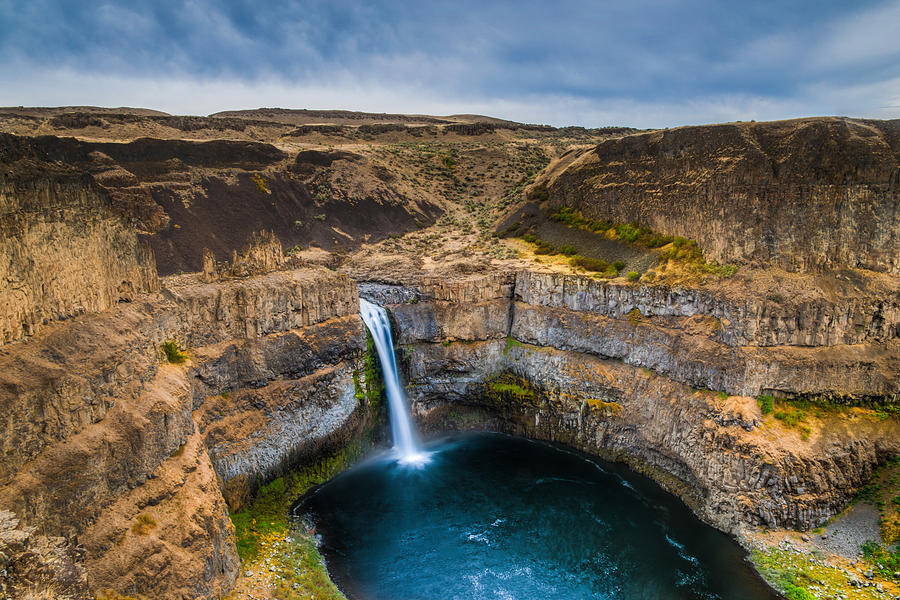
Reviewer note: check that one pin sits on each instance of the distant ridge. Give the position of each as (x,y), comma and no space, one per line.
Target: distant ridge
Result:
(51,111)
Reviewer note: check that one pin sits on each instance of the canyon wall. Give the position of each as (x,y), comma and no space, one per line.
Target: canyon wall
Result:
(66,251)
(807,194)
(187,196)
(668,388)
(131,458)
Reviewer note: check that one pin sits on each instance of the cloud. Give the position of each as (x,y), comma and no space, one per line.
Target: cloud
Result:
(643,63)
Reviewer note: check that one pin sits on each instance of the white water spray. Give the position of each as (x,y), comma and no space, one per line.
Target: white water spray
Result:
(405,442)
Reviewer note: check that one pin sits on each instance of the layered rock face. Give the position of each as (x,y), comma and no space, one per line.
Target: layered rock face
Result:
(567,358)
(807,195)
(133,458)
(185,196)
(66,251)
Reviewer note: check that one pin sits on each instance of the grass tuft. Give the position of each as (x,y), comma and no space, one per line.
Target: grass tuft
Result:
(173,353)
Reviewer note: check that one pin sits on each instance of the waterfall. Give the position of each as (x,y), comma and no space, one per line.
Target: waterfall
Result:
(405,442)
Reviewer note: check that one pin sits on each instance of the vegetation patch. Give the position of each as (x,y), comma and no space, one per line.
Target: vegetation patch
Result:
(804,577)
(301,572)
(791,413)
(508,387)
(680,249)
(793,417)
(885,561)
(143,525)
(635,315)
(601,268)
(511,343)
(883,492)
(374,389)
(261,183)
(267,514)
(281,551)
(766,403)
(173,353)
(604,407)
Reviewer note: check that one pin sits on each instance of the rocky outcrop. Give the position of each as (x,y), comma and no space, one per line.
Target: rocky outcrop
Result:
(37,566)
(131,456)
(170,537)
(269,403)
(807,194)
(66,251)
(745,317)
(717,454)
(634,373)
(263,305)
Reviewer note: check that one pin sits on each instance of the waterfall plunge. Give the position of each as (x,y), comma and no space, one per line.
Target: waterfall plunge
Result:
(405,442)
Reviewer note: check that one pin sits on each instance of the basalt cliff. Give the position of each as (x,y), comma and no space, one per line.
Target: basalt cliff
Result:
(145,415)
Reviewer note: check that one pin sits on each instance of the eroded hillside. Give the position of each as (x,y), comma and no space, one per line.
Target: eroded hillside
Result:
(806,195)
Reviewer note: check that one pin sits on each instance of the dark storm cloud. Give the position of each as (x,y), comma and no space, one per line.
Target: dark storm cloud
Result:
(592,59)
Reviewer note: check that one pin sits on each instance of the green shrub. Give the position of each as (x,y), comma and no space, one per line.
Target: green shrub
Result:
(568,250)
(886,561)
(540,194)
(321,217)
(589,264)
(173,353)
(261,183)
(766,403)
(628,232)
(545,248)
(568,216)
(619,265)
(633,276)
(657,240)
(530,238)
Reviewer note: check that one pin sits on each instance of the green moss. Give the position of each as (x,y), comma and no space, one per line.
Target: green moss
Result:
(172,352)
(302,573)
(291,555)
(357,388)
(510,388)
(604,407)
(267,514)
(374,380)
(507,387)
(511,343)
(802,576)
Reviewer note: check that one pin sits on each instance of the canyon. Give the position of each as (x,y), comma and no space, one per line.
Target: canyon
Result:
(163,363)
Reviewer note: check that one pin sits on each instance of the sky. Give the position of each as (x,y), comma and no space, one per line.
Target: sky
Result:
(641,63)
